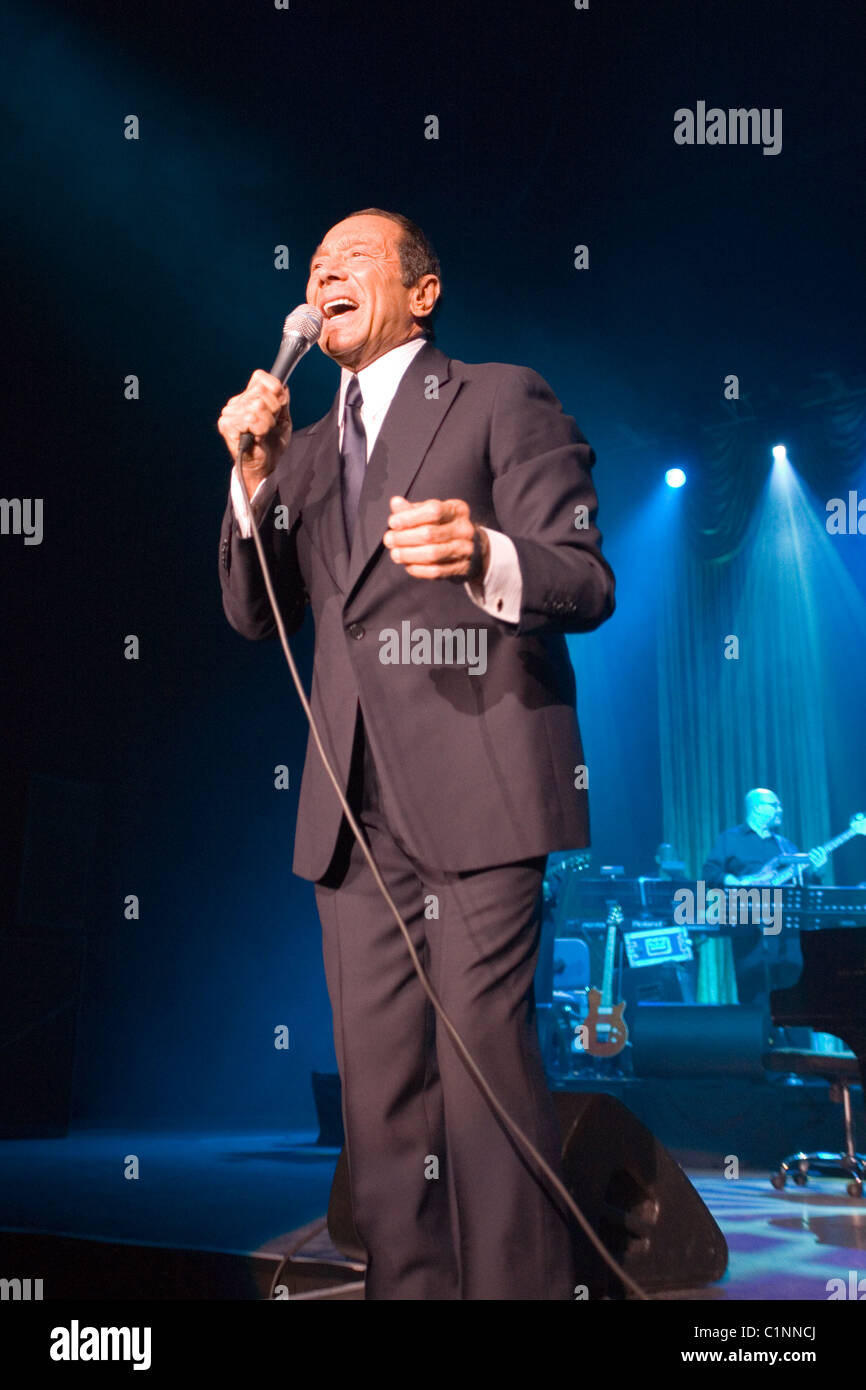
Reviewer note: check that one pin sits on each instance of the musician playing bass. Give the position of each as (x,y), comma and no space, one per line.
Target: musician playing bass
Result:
(740,853)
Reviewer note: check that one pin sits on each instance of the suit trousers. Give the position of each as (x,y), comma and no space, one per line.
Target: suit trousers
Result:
(443,1199)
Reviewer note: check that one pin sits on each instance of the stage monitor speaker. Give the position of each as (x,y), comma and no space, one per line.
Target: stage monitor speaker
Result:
(633,1193)
(636,1198)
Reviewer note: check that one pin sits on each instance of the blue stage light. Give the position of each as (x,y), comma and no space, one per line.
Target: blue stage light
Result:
(675,477)
(780,453)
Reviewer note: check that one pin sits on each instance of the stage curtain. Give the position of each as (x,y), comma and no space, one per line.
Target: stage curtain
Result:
(728,725)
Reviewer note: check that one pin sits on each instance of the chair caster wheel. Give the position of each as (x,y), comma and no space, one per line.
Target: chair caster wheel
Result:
(801,1179)
(855,1189)
(778,1180)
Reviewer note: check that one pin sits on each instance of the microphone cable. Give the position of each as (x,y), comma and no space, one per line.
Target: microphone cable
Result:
(246,442)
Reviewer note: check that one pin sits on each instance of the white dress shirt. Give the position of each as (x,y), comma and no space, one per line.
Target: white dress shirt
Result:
(501,590)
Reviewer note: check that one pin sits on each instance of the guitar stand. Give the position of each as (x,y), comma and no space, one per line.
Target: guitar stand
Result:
(842,1072)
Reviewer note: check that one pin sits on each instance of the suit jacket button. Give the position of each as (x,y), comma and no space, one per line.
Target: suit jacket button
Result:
(356,631)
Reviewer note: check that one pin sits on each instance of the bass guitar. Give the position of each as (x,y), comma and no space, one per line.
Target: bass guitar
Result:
(775,877)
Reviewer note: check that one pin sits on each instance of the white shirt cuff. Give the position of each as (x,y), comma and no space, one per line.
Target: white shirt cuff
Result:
(259,502)
(501,591)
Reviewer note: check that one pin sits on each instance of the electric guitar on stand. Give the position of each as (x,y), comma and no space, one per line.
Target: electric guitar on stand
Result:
(604,1030)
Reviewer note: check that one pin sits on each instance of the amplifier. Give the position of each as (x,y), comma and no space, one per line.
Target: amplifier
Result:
(679,1040)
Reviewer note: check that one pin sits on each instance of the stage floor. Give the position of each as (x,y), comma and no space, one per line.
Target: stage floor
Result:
(249,1194)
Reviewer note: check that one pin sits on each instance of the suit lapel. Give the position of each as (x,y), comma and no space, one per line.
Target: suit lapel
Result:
(321,501)
(404,438)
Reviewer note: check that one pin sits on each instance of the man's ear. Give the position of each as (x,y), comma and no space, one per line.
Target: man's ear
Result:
(423,295)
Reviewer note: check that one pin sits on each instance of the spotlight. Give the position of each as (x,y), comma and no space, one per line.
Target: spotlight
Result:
(675,477)
(780,453)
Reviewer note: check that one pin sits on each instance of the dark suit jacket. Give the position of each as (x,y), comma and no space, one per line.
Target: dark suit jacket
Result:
(474,770)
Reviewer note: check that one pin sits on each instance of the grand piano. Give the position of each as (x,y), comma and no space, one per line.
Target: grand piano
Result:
(830,995)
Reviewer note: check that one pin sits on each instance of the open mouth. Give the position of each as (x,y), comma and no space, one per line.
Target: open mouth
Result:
(337,308)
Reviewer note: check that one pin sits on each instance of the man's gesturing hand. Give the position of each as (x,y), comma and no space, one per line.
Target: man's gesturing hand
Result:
(263,410)
(436,540)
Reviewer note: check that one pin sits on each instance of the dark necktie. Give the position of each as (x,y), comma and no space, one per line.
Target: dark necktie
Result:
(354,456)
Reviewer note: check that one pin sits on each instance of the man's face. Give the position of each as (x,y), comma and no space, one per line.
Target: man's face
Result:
(358,262)
(768,812)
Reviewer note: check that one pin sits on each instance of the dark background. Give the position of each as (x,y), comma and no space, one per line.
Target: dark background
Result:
(261,127)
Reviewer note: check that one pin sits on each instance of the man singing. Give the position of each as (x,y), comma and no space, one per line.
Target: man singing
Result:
(439,511)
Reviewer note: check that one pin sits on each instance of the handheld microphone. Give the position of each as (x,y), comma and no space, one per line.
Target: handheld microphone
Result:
(302,328)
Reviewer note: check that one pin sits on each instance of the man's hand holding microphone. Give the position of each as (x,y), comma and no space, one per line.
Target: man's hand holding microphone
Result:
(262,410)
